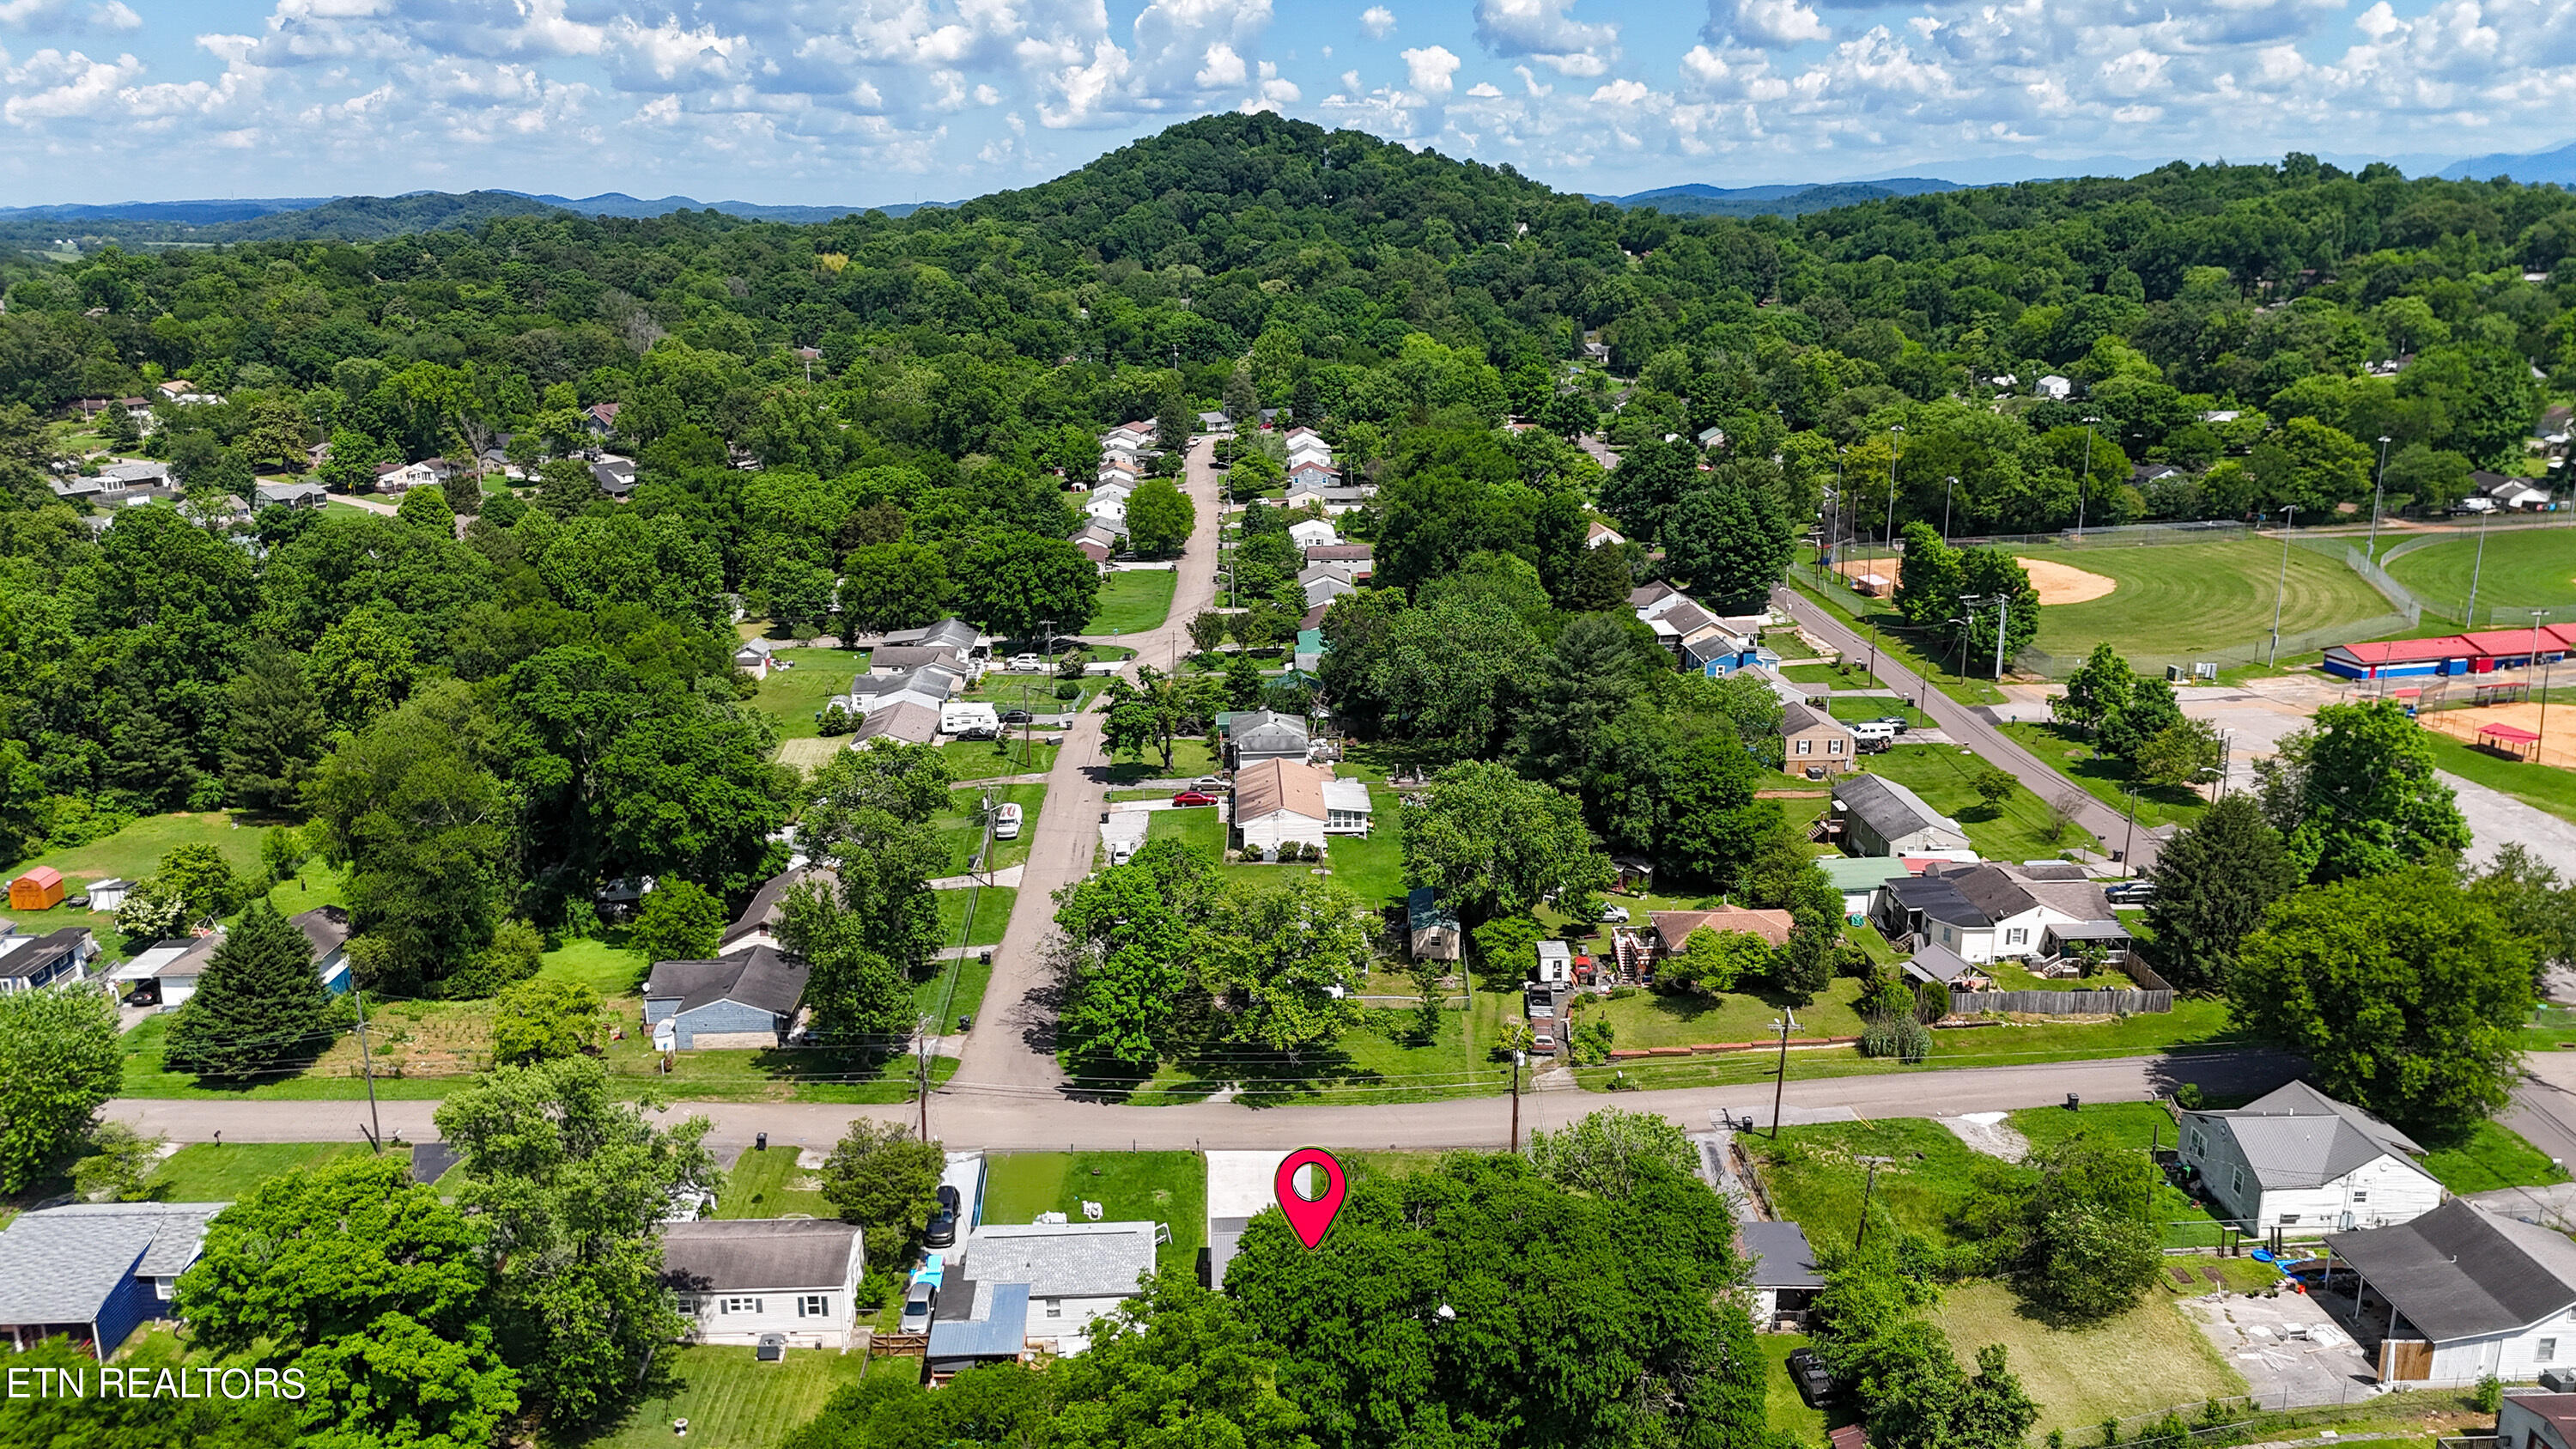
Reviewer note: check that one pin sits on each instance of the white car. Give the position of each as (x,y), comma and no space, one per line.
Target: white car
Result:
(1615,915)
(1006,822)
(1026,664)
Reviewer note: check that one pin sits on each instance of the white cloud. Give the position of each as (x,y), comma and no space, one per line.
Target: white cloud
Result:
(1430,68)
(1223,68)
(57,85)
(1777,22)
(1378,21)
(1543,31)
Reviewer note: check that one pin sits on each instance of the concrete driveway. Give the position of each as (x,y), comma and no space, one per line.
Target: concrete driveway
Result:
(2290,1350)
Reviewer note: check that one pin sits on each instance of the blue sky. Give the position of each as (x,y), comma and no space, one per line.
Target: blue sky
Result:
(876,101)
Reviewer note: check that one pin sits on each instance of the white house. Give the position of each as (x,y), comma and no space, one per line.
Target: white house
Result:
(2536,1419)
(1878,816)
(1077,1273)
(2303,1162)
(1598,533)
(2035,907)
(738,1278)
(1313,533)
(1280,801)
(2053,386)
(2464,1293)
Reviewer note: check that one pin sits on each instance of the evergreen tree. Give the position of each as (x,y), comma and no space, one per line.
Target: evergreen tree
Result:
(2214,882)
(273,734)
(258,1004)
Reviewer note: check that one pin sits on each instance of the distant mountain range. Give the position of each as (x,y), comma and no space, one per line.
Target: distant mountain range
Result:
(2531,167)
(1698,199)
(364,218)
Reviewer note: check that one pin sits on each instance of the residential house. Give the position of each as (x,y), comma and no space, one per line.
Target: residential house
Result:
(738,1278)
(1312,477)
(949,633)
(95,1272)
(1874,815)
(1431,929)
(396,478)
(1858,877)
(2505,492)
(888,660)
(1333,500)
(1077,1273)
(2536,1419)
(2461,1293)
(1721,648)
(1358,559)
(40,889)
(1312,533)
(1917,911)
(58,958)
(758,924)
(1323,583)
(1781,1275)
(1241,1186)
(2056,388)
(1098,542)
(134,473)
(2298,1160)
(748,1000)
(1710,438)
(930,685)
(756,657)
(1214,422)
(2039,908)
(290,495)
(1673,928)
(326,929)
(1812,741)
(1134,435)
(904,722)
(1599,533)
(614,477)
(1255,735)
(1280,801)
(600,419)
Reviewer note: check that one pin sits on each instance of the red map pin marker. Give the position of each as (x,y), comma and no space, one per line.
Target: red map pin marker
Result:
(1309,1218)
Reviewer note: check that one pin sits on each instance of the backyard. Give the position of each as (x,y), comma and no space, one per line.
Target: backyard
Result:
(2147,1359)
(1132,600)
(730,1399)
(792,696)
(768,1183)
(1370,867)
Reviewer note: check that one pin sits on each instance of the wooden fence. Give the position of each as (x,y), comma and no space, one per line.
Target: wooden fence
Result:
(2061,1003)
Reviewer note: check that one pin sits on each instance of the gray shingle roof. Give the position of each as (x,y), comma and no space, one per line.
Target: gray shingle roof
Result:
(724,1254)
(2460,1271)
(326,927)
(759,978)
(1781,1257)
(1065,1260)
(771,898)
(58,1265)
(1887,807)
(947,633)
(1936,962)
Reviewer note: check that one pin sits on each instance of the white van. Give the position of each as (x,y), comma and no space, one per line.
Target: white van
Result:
(1006,823)
(1878,730)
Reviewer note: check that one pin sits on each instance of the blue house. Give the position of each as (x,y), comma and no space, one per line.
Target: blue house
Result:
(327,928)
(30,962)
(747,1000)
(94,1272)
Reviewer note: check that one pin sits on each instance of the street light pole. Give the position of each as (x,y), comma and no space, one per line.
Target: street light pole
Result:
(1892,430)
(2477,569)
(2129,844)
(2085,488)
(2289,516)
(2542,731)
(1517,1059)
(2372,553)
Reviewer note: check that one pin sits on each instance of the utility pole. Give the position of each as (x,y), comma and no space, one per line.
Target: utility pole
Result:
(1785,1023)
(2377,480)
(367,1063)
(1518,1057)
(2003,621)
(2129,846)
(2289,517)
(1948,487)
(2085,488)
(2476,569)
(1893,429)
(1867,1189)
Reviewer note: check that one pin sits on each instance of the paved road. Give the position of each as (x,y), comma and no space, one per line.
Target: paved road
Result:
(1036,1116)
(2497,819)
(1971,728)
(1012,1047)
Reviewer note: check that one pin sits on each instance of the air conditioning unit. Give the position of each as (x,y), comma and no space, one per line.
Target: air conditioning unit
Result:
(2558,1380)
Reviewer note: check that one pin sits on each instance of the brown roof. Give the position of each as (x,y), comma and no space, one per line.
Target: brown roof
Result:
(1675,927)
(1275,785)
(1340,553)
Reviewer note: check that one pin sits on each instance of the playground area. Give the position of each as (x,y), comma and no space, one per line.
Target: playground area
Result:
(2514,730)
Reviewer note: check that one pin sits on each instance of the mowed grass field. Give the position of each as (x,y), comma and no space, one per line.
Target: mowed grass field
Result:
(2527,568)
(1133,599)
(2179,598)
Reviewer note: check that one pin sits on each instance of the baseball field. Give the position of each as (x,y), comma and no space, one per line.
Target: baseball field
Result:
(2181,598)
(2526,568)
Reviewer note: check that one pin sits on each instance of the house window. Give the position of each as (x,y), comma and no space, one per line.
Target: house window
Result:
(814,1305)
(1833,747)
(739,1305)
(161,1289)
(2289,1219)
(2199,1143)
(2361,1197)
(2546,1352)
(2018,935)
(2236,1181)
(1806,747)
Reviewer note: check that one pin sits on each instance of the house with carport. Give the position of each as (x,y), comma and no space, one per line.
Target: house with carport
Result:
(2457,1294)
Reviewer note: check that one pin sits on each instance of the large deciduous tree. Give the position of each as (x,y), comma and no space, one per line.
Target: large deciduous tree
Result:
(59,1062)
(1492,843)
(1160,517)
(1014,583)
(2406,994)
(1728,539)
(2356,794)
(880,1177)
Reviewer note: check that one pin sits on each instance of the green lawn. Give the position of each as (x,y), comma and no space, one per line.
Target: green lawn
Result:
(1941,775)
(1650,1019)
(2104,779)
(980,760)
(604,966)
(956,989)
(2543,787)
(964,832)
(2186,598)
(1377,1061)
(2525,568)
(2147,1359)
(1191,758)
(2138,1125)
(992,913)
(1132,600)
(731,1400)
(1789,1413)
(769,1184)
(225,1172)
(1895,640)
(1815,1177)
(1833,676)
(1162,1187)
(792,696)
(136,851)
(2491,1156)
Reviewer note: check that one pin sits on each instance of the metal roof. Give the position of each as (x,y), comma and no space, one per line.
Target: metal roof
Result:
(999,1329)
(2300,1137)
(1781,1257)
(2460,1271)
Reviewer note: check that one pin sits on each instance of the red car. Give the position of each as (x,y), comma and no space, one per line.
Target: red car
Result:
(1193,797)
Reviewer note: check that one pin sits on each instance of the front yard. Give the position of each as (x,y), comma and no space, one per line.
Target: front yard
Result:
(1162,1187)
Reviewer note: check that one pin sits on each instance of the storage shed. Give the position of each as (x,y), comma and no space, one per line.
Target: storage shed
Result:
(40,889)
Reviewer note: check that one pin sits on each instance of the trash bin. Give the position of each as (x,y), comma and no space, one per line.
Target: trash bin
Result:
(760,1143)
(2073,1101)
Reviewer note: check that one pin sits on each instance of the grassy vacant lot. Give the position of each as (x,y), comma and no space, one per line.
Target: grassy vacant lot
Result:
(1378,1061)
(1650,1019)
(770,1185)
(964,832)
(1815,1176)
(2542,787)
(2066,752)
(733,1401)
(1872,706)
(992,913)
(1846,675)
(1132,600)
(1191,758)
(2525,568)
(979,760)
(2147,1359)
(2183,598)
(792,695)
(1162,1187)
(955,990)
(2490,1156)
(1941,775)
(2137,1125)
(224,1172)
(134,853)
